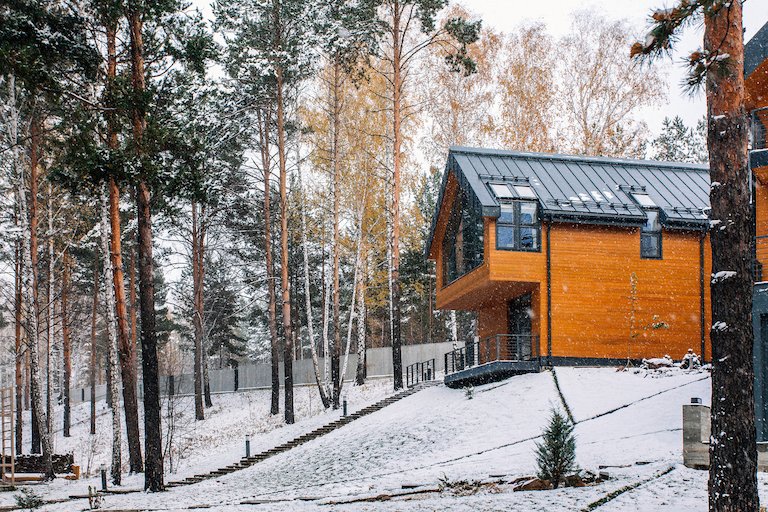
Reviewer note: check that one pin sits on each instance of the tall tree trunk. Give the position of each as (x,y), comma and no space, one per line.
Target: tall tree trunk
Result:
(356,265)
(308,295)
(733,451)
(454,325)
(40,421)
(336,377)
(19,376)
(127,352)
(206,381)
(360,373)
(49,314)
(397,86)
(94,319)
(66,343)
(264,128)
(112,343)
(21,224)
(132,313)
(284,277)
(153,470)
(197,317)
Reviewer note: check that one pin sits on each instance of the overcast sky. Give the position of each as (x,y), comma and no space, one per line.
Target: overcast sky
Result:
(505,15)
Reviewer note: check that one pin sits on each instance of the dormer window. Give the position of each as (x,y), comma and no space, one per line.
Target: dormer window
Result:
(650,233)
(518,227)
(650,236)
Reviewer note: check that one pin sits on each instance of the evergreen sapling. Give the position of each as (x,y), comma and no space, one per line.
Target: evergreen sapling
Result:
(556,453)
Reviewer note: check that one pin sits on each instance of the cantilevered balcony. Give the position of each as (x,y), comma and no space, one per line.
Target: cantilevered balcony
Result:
(492,359)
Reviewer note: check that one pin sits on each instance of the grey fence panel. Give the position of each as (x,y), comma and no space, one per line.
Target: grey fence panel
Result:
(259,375)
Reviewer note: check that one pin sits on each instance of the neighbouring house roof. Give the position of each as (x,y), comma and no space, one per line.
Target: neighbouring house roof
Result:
(756,50)
(580,189)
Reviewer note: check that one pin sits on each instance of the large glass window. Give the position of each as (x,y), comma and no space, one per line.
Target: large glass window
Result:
(650,235)
(463,241)
(518,227)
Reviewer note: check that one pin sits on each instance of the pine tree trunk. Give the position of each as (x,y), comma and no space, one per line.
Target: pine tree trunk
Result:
(128,370)
(94,318)
(336,377)
(264,127)
(397,84)
(153,470)
(40,421)
(132,313)
(197,318)
(733,451)
(112,343)
(285,282)
(66,344)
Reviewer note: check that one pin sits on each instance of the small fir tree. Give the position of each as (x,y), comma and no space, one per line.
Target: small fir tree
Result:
(556,454)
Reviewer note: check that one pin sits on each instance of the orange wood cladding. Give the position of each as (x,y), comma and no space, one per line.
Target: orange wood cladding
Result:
(590,272)
(756,87)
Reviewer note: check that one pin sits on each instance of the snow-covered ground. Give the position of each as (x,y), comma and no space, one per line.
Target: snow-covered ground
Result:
(624,418)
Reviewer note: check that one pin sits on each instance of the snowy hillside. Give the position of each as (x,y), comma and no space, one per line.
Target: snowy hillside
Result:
(622,419)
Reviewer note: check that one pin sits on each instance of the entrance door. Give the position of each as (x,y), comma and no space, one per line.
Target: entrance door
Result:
(520,327)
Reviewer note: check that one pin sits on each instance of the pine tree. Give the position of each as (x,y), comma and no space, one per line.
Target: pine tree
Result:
(679,143)
(720,67)
(556,453)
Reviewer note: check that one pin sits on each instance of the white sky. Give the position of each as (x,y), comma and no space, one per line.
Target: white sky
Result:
(505,15)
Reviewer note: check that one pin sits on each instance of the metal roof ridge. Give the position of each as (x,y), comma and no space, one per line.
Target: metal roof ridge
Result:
(579,158)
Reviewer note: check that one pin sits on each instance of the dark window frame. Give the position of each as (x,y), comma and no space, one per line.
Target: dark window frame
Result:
(463,247)
(646,233)
(518,226)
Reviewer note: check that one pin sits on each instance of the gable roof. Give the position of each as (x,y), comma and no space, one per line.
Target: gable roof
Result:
(756,50)
(580,189)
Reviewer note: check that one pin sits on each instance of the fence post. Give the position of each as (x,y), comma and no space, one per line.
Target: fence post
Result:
(237,378)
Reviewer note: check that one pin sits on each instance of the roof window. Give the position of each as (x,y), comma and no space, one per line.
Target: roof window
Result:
(644,200)
(501,190)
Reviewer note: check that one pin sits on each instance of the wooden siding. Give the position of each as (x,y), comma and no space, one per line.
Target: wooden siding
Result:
(761,223)
(756,87)
(591,267)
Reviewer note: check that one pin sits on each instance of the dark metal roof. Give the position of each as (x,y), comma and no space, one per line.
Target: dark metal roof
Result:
(756,50)
(579,189)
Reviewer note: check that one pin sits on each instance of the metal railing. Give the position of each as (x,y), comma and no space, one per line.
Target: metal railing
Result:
(501,347)
(419,372)
(759,131)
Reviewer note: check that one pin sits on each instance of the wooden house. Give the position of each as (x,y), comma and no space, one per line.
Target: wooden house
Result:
(572,260)
(756,92)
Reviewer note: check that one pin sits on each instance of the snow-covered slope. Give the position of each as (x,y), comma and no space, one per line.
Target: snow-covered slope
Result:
(439,433)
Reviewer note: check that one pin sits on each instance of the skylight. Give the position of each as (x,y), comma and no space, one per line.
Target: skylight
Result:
(644,200)
(525,192)
(501,190)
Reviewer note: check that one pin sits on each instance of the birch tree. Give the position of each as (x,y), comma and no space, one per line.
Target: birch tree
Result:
(112,343)
(409,28)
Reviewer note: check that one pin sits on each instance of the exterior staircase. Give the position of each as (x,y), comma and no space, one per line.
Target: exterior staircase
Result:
(246,462)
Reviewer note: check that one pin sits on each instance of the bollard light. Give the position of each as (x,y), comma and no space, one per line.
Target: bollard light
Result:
(103,477)
(344,406)
(247,445)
